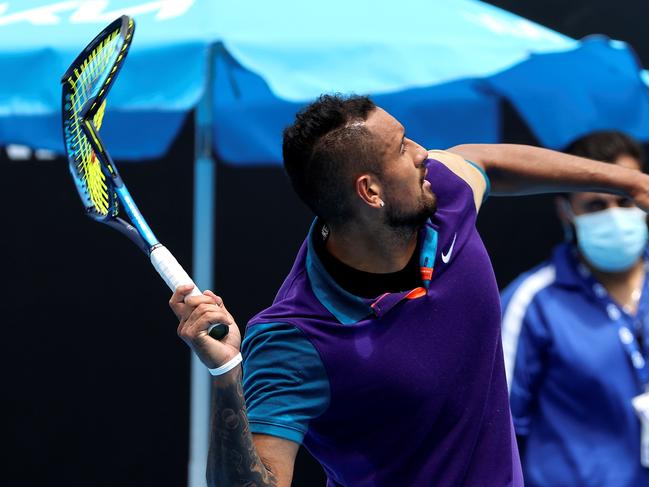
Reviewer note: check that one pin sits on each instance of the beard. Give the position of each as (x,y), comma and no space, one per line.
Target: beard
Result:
(407,219)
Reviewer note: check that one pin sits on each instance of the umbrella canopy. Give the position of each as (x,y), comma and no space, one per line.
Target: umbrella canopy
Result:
(441,67)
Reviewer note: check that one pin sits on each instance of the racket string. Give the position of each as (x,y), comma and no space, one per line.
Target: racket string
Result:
(82,89)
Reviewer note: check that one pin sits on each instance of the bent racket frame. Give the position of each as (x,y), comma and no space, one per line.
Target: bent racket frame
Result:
(86,84)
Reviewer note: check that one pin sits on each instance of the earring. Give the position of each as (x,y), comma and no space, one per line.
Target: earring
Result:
(381,203)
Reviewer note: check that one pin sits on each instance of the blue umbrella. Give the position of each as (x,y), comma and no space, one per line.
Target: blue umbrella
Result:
(442,68)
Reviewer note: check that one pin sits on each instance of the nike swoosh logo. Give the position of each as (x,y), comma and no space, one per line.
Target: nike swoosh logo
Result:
(446,257)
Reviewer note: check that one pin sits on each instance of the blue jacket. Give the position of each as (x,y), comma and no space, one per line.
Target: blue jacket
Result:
(571,381)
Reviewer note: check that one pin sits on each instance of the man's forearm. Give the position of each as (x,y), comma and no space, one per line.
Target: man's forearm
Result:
(523,169)
(233,459)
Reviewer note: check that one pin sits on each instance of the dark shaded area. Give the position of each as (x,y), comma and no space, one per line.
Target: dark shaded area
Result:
(622,20)
(95,381)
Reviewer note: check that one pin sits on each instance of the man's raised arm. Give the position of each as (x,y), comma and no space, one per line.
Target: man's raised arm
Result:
(236,457)
(523,169)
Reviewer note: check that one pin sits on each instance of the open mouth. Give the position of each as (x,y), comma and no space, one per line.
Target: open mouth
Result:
(423,179)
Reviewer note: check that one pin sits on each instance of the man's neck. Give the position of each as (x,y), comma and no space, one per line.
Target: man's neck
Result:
(624,286)
(377,250)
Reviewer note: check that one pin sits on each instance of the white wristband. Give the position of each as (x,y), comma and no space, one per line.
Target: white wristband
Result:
(228,366)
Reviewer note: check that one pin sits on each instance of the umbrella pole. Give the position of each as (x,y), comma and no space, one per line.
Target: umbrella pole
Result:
(203,271)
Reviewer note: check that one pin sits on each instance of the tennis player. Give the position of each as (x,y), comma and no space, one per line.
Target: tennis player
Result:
(381,353)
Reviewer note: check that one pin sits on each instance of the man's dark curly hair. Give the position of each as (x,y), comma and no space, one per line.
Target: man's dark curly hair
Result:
(607,146)
(325,148)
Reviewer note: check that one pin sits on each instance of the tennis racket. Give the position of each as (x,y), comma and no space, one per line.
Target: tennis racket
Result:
(85,86)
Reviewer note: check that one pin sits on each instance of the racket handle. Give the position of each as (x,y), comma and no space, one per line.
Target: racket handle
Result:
(174,275)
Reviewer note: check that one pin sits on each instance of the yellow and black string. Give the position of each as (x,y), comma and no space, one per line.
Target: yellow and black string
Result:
(82,85)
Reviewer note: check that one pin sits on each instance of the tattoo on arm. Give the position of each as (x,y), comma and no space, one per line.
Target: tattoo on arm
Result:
(233,459)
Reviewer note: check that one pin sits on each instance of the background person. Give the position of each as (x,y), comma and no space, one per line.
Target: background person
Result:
(574,335)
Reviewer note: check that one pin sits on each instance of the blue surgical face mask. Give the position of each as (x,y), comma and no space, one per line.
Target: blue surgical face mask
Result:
(612,240)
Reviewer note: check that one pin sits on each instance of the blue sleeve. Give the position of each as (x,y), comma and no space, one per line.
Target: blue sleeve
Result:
(284,381)
(487,190)
(526,340)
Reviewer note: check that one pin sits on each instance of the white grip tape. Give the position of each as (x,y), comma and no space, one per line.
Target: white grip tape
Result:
(173,273)
(170,270)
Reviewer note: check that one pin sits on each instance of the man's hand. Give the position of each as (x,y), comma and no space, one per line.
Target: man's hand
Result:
(640,194)
(196,314)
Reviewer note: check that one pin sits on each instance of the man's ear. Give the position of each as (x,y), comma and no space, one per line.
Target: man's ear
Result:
(563,209)
(369,190)
(566,215)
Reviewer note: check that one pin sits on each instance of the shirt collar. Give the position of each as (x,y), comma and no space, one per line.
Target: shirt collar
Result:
(348,308)
(570,271)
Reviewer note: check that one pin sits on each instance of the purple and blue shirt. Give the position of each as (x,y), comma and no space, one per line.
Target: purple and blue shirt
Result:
(406,388)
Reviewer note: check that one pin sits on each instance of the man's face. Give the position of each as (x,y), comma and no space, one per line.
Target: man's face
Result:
(409,199)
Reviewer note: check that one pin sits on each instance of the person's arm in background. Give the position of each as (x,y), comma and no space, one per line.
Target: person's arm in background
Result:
(237,457)
(523,169)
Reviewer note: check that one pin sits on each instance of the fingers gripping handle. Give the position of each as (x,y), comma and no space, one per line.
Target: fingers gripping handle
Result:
(174,275)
